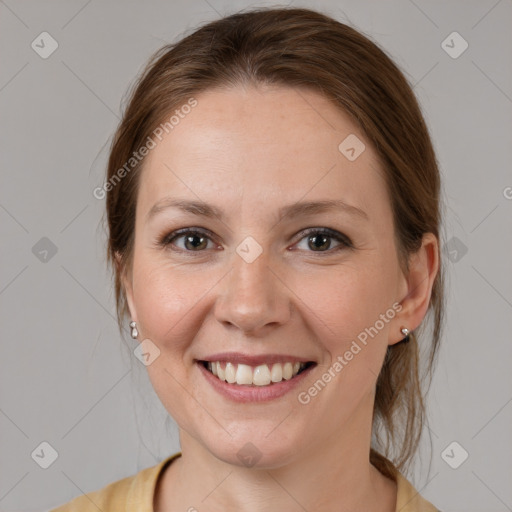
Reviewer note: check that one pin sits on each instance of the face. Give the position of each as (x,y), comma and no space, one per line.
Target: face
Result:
(257,278)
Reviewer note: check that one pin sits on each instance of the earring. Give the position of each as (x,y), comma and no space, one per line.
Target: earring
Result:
(406,333)
(135,332)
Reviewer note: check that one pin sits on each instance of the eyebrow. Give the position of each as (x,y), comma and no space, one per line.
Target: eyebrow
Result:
(203,209)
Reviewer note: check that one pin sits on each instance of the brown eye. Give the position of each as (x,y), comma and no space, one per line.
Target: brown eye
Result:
(320,240)
(193,241)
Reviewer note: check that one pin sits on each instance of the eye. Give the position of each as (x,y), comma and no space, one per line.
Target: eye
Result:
(193,240)
(319,240)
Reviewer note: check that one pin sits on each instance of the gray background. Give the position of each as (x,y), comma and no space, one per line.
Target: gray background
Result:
(65,375)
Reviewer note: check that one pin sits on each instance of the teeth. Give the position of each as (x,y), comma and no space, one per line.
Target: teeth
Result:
(277,373)
(243,374)
(230,373)
(262,375)
(220,372)
(287,371)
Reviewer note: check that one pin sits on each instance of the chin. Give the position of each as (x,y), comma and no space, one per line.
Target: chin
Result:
(255,451)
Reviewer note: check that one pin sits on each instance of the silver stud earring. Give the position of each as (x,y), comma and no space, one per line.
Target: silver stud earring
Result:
(135,332)
(406,333)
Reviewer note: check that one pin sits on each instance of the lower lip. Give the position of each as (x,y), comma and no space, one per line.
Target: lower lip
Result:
(245,393)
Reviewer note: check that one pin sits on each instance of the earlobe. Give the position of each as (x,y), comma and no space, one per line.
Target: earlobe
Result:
(423,268)
(126,282)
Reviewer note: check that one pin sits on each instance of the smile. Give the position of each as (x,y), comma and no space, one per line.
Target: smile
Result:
(261,375)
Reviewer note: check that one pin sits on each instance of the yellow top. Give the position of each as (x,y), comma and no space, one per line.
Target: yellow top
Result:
(135,494)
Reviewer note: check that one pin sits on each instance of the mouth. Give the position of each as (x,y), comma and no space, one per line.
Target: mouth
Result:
(262,375)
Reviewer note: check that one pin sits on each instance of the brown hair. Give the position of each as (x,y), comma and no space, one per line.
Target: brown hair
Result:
(303,48)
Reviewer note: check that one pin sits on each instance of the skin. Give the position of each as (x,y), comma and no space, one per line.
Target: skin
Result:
(249,151)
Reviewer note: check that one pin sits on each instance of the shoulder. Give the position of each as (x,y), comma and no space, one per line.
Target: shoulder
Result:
(409,499)
(133,493)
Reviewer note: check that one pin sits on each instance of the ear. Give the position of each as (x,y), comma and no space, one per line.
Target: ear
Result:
(417,286)
(126,279)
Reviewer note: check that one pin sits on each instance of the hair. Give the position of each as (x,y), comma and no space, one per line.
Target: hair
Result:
(303,48)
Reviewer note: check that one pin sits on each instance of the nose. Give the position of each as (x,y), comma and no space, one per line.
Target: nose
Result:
(252,297)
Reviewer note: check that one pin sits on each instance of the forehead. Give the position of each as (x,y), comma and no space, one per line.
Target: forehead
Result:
(268,143)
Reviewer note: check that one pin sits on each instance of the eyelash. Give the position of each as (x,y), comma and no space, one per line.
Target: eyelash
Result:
(167,240)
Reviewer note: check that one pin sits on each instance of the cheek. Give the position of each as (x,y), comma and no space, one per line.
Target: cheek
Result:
(164,301)
(345,307)
(345,301)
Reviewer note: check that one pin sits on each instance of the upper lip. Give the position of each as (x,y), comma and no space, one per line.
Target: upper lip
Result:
(254,360)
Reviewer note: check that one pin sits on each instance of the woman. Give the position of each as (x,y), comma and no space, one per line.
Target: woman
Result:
(274,215)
